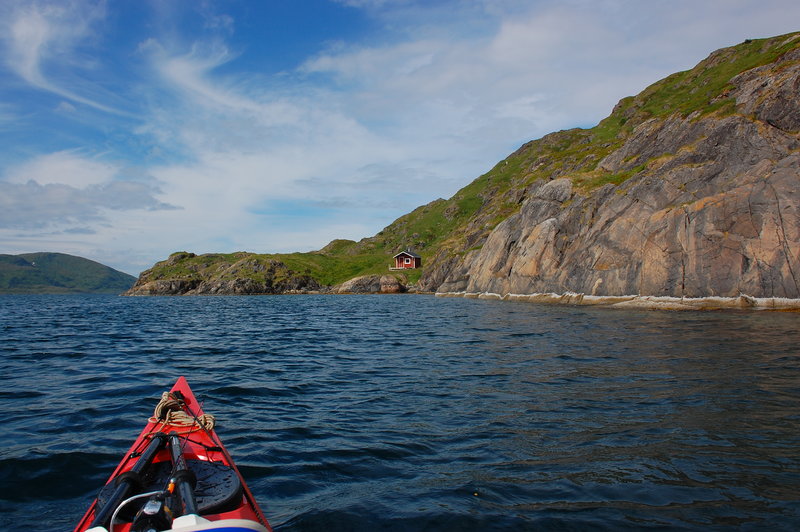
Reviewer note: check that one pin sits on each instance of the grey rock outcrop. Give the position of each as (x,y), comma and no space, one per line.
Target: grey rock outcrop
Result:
(371,284)
(712,209)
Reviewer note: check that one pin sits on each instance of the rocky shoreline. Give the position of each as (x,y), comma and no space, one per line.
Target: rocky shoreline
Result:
(389,284)
(365,284)
(742,302)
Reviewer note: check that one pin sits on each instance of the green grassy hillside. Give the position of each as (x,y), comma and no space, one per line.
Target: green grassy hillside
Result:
(58,273)
(449,227)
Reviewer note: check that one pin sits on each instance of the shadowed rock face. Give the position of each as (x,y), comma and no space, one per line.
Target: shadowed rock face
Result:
(714,212)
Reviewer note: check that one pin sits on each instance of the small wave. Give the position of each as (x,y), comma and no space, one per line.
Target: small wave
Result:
(52,475)
(21,394)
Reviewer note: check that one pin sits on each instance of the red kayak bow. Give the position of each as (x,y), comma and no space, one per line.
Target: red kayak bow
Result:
(176,476)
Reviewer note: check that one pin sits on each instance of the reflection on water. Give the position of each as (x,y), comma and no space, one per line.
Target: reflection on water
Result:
(353,413)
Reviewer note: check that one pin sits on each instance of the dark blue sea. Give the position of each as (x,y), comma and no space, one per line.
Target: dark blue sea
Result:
(361,413)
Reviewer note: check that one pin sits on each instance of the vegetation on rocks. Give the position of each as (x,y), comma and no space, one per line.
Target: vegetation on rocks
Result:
(621,152)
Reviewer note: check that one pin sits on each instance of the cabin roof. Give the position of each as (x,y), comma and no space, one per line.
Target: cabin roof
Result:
(409,253)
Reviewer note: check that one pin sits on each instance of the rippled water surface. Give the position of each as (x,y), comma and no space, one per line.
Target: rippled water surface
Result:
(415,412)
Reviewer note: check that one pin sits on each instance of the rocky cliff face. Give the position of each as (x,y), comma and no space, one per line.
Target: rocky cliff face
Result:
(709,206)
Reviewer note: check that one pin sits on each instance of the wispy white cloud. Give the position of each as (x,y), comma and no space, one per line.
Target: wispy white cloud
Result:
(42,34)
(32,206)
(65,168)
(61,190)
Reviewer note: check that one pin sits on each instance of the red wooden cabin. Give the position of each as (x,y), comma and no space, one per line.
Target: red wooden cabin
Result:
(407,260)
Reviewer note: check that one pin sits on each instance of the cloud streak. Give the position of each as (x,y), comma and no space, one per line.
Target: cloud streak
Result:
(38,35)
(64,189)
(32,206)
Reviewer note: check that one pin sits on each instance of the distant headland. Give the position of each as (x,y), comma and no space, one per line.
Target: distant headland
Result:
(59,273)
(691,189)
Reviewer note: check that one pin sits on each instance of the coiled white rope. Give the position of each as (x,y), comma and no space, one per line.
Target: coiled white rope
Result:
(169,411)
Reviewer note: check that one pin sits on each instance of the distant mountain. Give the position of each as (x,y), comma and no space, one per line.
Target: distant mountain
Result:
(58,273)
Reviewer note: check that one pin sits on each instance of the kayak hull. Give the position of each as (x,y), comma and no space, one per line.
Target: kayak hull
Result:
(178,433)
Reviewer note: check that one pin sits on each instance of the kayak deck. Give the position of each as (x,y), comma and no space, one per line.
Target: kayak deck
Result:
(177,475)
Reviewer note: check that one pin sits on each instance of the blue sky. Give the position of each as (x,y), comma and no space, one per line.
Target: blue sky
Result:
(130,129)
